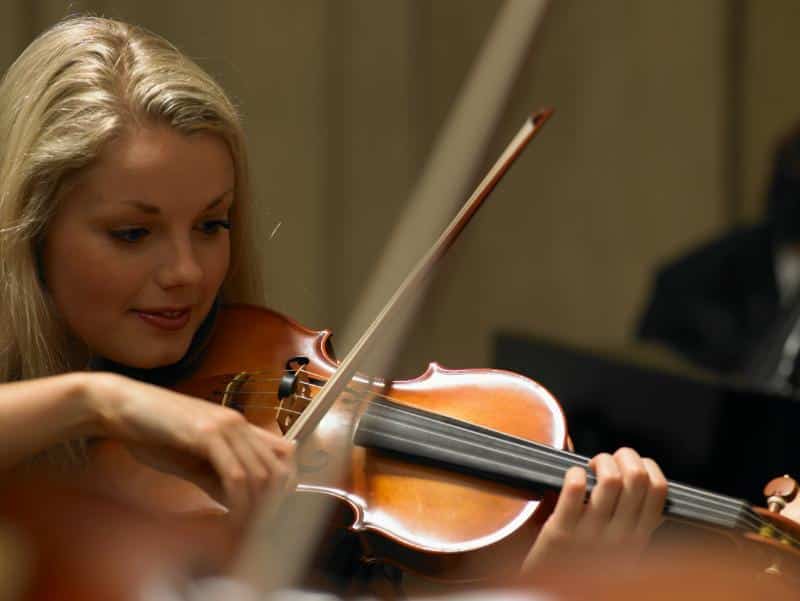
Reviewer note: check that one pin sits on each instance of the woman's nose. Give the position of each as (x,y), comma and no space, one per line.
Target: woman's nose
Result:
(180,266)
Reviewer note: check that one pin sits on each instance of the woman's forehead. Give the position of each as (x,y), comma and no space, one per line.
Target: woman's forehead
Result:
(160,168)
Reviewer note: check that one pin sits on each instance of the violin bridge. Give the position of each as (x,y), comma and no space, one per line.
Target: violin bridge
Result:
(294,394)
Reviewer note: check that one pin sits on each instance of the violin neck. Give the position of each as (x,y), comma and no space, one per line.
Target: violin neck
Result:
(488,453)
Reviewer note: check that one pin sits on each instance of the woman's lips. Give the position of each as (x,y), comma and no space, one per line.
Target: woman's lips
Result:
(166,320)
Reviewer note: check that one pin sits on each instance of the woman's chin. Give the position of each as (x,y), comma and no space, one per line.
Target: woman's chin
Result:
(150,360)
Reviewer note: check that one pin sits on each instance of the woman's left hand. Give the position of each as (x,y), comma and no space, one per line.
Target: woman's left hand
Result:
(623,509)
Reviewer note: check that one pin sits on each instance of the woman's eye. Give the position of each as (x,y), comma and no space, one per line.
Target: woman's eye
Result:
(132,234)
(214,225)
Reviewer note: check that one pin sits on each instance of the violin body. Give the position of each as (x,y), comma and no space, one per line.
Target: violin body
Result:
(423,516)
(429,519)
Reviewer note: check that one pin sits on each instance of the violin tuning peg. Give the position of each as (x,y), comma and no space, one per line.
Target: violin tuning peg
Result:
(779,492)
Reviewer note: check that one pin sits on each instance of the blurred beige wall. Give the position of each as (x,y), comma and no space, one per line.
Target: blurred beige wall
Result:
(627,173)
(769,90)
(343,98)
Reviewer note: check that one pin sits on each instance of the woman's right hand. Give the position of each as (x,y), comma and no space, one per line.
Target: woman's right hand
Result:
(212,446)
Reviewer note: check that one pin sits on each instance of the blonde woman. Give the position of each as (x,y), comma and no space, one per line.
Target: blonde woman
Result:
(123,194)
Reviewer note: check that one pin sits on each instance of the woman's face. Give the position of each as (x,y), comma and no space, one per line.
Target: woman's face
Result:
(139,246)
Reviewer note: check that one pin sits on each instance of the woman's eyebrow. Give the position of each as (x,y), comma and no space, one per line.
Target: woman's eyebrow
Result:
(218,200)
(154,210)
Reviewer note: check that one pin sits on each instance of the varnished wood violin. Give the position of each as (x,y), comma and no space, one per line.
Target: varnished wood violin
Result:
(447,473)
(443,473)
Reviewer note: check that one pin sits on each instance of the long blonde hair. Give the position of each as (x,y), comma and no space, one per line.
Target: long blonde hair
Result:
(77,86)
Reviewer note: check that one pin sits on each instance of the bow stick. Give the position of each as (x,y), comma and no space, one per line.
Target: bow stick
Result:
(275,554)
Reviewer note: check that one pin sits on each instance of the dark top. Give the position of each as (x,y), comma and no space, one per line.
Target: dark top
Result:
(715,304)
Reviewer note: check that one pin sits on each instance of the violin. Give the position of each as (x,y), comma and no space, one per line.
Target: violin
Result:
(450,474)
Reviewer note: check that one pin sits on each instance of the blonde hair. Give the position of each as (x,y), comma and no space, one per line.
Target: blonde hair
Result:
(78,85)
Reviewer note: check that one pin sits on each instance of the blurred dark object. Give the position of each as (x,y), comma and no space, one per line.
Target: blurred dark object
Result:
(714,305)
(710,433)
(727,305)
(783,196)
(773,363)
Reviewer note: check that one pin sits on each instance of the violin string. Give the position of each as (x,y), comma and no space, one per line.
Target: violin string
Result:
(696,498)
(557,454)
(725,507)
(575,459)
(249,393)
(749,519)
(580,460)
(302,370)
(278,409)
(754,519)
(699,500)
(260,372)
(562,459)
(557,466)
